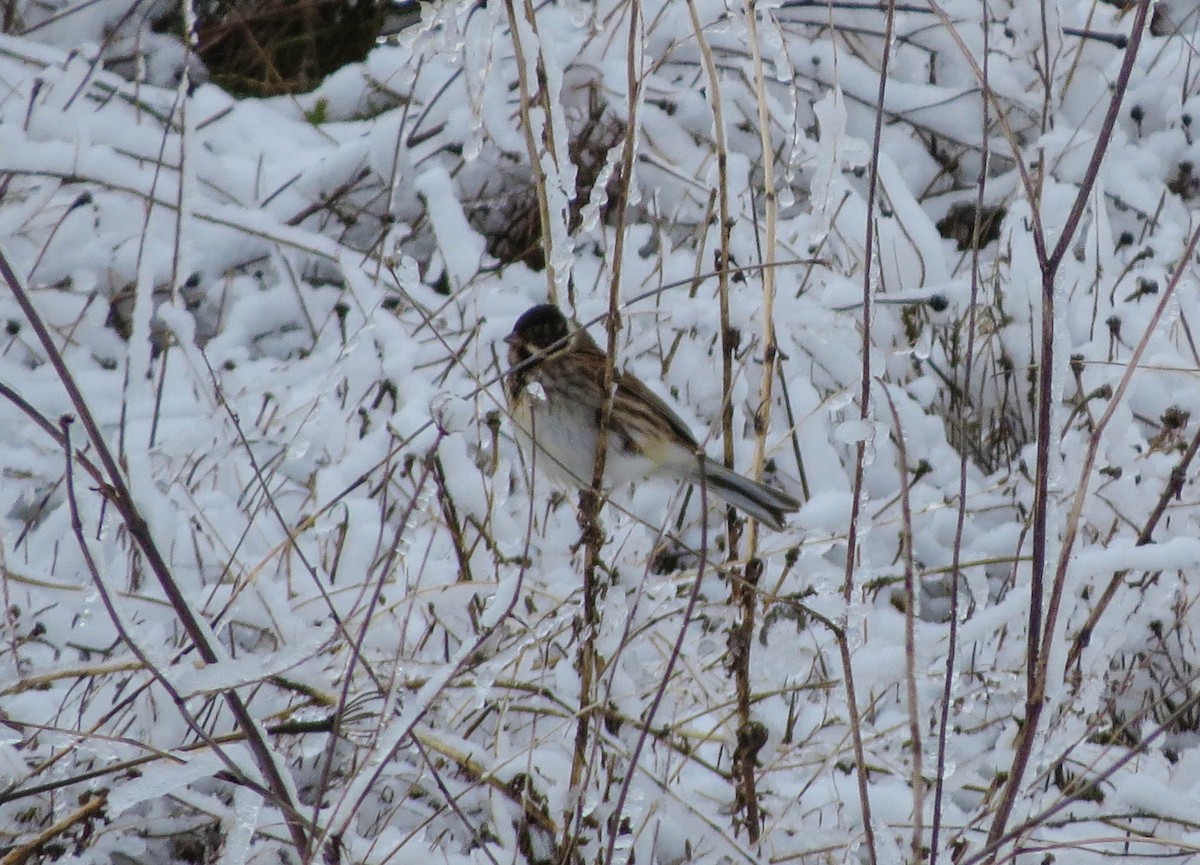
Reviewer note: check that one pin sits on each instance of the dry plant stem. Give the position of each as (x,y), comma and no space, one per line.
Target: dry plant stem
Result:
(591,499)
(453,523)
(607,709)
(118,493)
(743,592)
(647,722)
(301,241)
(1171,491)
(1088,769)
(762,414)
(968,56)
(728,337)
(1089,460)
(843,643)
(269,497)
(115,769)
(121,707)
(989,851)
(49,428)
(743,596)
(144,297)
(963,460)
(1102,139)
(448,797)
(89,810)
(382,759)
(327,760)
(910,641)
(182,100)
(106,599)
(535,160)
(80,201)
(861,448)
(1041,635)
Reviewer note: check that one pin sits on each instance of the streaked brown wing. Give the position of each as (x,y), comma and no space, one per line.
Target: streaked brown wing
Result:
(642,402)
(647,409)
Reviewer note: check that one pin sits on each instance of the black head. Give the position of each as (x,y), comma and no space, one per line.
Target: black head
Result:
(540,327)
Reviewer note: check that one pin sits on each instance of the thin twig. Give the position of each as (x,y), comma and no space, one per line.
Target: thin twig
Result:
(139,530)
(651,713)
(865,412)
(1041,635)
(915,733)
(92,808)
(960,517)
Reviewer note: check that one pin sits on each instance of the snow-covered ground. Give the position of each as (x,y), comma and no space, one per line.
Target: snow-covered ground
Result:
(306,512)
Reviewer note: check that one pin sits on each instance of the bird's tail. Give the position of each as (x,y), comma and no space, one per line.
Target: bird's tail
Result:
(766,504)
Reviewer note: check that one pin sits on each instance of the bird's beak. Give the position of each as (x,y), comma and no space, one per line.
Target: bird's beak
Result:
(511,339)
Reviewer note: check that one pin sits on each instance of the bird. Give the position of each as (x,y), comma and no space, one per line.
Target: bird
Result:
(555,392)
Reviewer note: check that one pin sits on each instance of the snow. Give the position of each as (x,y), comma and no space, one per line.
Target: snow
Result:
(286,317)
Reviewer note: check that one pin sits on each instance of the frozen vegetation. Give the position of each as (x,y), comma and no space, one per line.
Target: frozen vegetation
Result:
(279,586)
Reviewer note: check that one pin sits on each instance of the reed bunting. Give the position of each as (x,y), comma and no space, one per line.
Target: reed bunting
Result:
(555,393)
